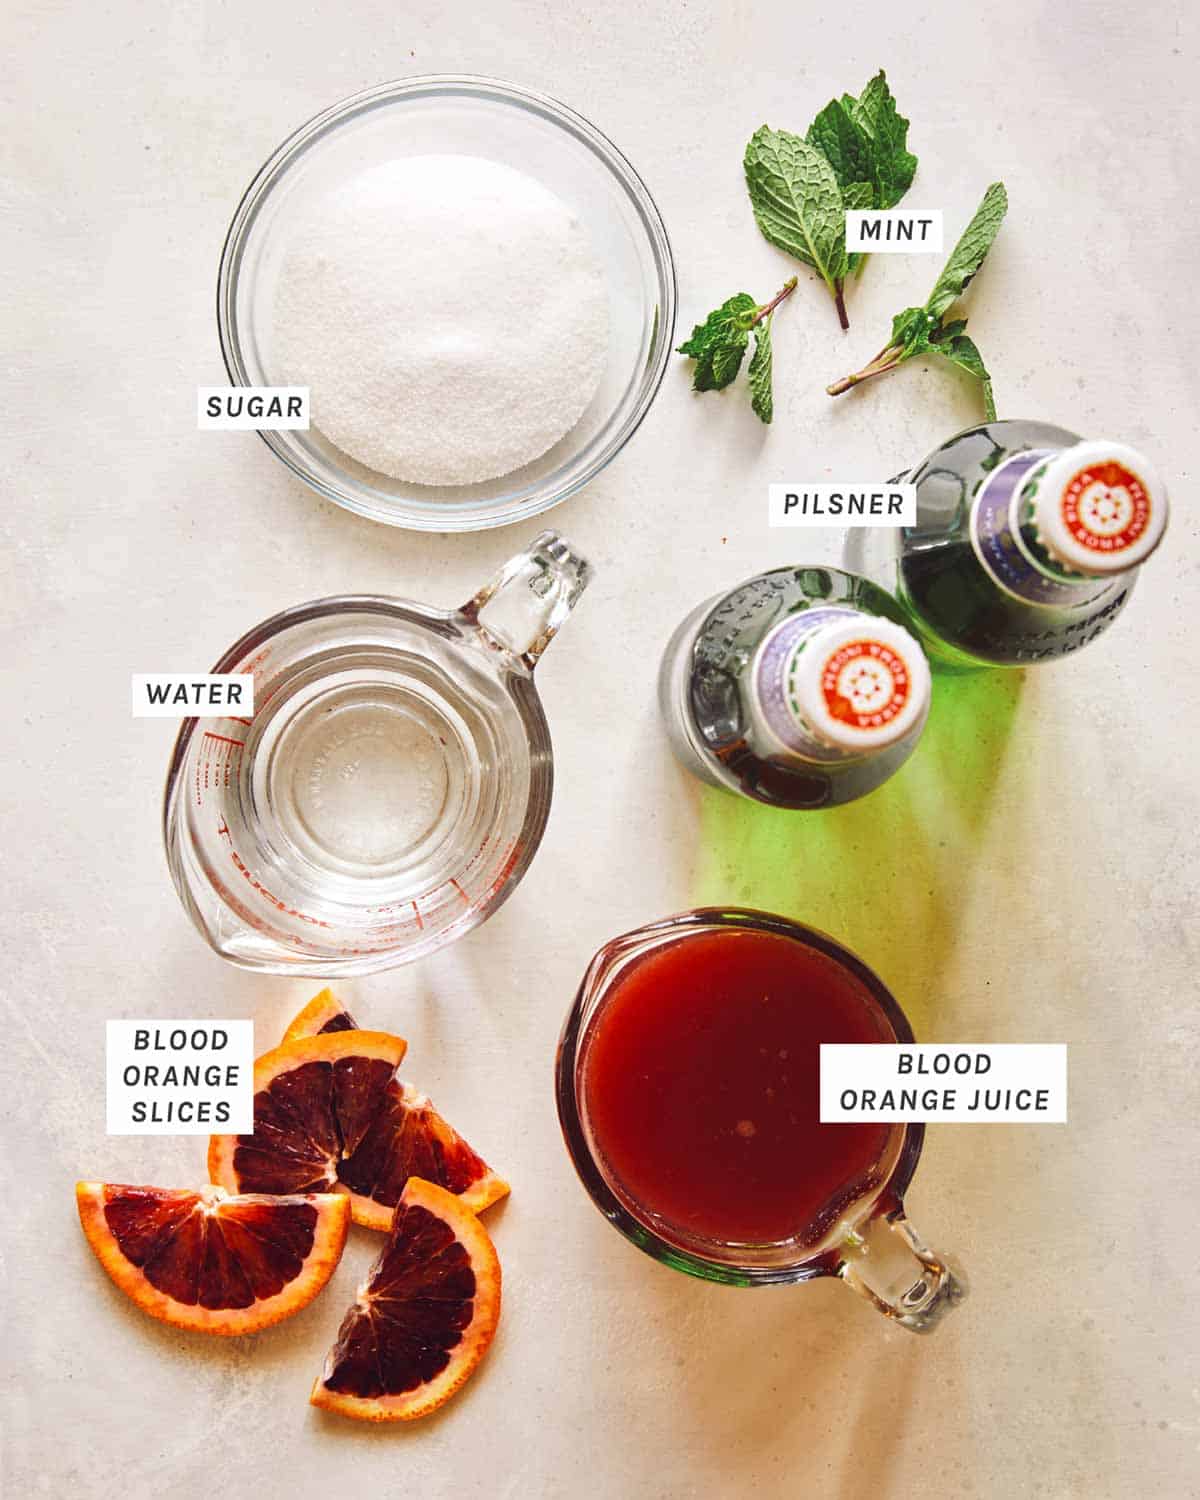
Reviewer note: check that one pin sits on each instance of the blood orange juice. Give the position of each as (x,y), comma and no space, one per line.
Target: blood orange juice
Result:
(698,1090)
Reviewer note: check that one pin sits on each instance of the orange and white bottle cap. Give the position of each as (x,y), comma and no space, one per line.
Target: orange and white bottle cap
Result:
(853,684)
(1099,508)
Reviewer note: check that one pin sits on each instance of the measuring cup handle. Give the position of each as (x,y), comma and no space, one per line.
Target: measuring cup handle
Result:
(887,1263)
(524,605)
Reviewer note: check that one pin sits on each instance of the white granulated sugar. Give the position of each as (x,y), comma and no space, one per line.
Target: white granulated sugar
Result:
(449,315)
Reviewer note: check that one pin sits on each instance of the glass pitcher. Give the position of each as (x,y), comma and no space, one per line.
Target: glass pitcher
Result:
(644,1114)
(393,783)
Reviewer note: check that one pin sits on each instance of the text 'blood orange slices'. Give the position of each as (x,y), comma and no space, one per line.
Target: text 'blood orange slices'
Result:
(407,1138)
(423,1320)
(210,1262)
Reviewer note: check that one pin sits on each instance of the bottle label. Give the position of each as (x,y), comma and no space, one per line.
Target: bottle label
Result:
(996,540)
(771,682)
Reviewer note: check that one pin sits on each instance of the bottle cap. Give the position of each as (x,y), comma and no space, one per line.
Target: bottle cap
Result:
(1099,508)
(858,685)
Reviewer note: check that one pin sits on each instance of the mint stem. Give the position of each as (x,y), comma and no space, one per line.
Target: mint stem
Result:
(839,302)
(768,308)
(886,359)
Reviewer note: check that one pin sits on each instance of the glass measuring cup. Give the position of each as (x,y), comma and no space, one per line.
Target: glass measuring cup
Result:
(393,783)
(676,1067)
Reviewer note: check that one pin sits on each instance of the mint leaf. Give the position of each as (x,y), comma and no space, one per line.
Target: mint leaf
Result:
(845,145)
(923,330)
(797,204)
(721,367)
(910,327)
(893,166)
(762,397)
(719,344)
(727,320)
(865,142)
(950,330)
(857,195)
(961,350)
(968,255)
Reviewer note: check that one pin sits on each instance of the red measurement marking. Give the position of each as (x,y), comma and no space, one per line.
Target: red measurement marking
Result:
(505,871)
(256,884)
(224,738)
(223,831)
(461,892)
(478,855)
(235,720)
(417,914)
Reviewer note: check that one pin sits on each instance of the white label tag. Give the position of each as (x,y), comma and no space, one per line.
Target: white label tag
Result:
(195,695)
(252,408)
(1001,1083)
(180,1077)
(894,231)
(842,505)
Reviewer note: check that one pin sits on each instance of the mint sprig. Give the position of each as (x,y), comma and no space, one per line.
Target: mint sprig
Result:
(854,155)
(719,344)
(924,330)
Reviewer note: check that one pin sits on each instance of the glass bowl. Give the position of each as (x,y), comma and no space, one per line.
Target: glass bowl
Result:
(524,130)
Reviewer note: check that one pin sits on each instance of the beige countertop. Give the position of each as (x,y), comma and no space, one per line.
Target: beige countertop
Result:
(1030,876)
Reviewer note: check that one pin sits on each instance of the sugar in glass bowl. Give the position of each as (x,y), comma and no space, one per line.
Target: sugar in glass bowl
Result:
(473,117)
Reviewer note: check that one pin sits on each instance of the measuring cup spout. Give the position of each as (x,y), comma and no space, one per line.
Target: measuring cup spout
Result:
(522,608)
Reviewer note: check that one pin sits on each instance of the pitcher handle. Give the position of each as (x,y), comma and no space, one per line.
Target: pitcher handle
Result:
(886,1261)
(522,608)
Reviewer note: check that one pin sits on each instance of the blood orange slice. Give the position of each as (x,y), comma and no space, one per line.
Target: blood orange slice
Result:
(314,1101)
(424,1318)
(324,1012)
(408,1138)
(203,1260)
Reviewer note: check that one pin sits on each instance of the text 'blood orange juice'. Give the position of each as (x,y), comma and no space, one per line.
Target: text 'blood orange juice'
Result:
(699,1085)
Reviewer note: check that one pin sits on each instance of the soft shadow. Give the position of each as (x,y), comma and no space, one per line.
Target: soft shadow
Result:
(769,1368)
(270,1348)
(884,874)
(887,1391)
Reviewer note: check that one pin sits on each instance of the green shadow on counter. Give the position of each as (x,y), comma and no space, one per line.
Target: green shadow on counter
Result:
(886,874)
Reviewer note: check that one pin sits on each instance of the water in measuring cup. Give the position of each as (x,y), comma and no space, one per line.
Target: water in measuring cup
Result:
(360,782)
(361,778)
